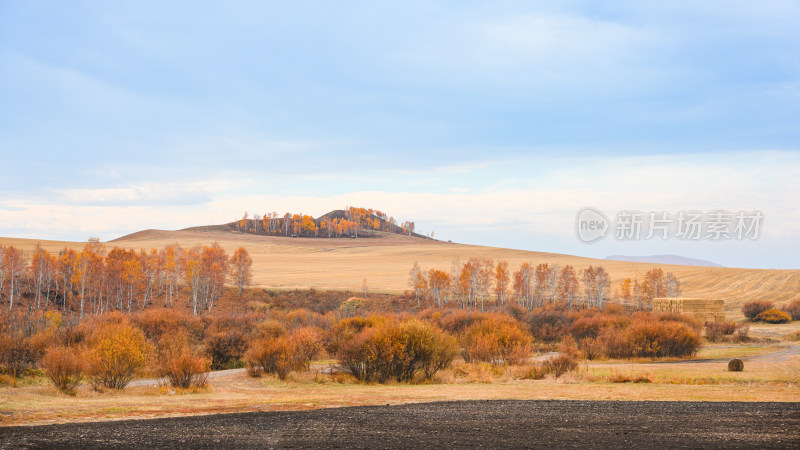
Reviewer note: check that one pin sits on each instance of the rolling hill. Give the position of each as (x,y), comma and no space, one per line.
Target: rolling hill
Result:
(665,259)
(286,263)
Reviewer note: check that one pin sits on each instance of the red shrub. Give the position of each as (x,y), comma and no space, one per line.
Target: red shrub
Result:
(17,353)
(716,330)
(548,325)
(594,325)
(752,309)
(793,309)
(225,348)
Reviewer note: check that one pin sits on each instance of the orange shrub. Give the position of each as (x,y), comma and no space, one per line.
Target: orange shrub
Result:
(307,343)
(398,350)
(65,367)
(117,352)
(773,315)
(179,363)
(345,329)
(752,309)
(496,339)
(304,318)
(649,338)
(270,328)
(275,356)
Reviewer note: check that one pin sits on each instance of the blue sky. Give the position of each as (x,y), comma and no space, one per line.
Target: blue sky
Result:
(489,123)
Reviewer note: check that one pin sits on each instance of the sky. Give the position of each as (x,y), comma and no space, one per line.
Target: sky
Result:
(486,122)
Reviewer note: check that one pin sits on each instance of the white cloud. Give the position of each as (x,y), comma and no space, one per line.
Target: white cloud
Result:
(542,205)
(153,193)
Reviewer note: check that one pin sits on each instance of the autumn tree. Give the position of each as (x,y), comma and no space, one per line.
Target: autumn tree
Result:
(568,285)
(595,284)
(673,286)
(438,284)
(654,285)
(241,268)
(66,267)
(501,281)
(42,275)
(523,285)
(417,282)
(13,266)
(172,270)
(625,290)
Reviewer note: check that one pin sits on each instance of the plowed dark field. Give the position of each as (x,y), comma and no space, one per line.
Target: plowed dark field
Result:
(489,424)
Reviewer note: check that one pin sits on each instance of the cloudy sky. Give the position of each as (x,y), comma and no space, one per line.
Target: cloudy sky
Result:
(486,123)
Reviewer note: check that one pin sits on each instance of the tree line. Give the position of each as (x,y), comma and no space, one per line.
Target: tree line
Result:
(353,221)
(480,282)
(96,280)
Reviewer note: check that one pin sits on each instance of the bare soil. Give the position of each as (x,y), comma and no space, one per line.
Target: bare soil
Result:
(492,424)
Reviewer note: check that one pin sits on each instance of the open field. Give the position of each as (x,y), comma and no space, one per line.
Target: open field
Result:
(489,424)
(284,263)
(772,373)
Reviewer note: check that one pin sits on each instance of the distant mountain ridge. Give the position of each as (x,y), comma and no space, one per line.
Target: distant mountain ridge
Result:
(665,259)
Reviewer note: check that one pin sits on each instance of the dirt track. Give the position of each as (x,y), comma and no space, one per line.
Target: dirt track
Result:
(448,424)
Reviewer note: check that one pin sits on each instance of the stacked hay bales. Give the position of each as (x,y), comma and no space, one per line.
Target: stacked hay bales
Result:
(702,309)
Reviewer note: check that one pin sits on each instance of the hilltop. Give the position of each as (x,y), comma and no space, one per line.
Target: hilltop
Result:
(351,222)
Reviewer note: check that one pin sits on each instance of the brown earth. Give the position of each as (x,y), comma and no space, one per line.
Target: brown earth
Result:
(287,263)
(491,424)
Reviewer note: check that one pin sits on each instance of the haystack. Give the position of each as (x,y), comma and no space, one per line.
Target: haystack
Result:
(702,309)
(735,365)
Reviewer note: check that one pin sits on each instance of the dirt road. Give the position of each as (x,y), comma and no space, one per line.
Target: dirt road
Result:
(489,424)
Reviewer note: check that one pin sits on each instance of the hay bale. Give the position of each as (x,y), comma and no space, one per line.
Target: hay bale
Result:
(735,365)
(702,309)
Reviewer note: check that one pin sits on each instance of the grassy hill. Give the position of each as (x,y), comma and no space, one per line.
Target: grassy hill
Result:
(285,263)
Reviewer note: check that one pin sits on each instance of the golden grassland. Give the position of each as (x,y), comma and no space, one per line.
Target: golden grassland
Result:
(771,374)
(287,263)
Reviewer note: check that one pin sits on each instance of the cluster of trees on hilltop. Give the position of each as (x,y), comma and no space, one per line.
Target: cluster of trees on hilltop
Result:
(480,281)
(349,222)
(96,280)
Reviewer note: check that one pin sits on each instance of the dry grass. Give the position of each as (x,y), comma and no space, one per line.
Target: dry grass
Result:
(762,380)
(723,351)
(287,263)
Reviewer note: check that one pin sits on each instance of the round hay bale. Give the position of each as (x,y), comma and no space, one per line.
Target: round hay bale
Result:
(735,365)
